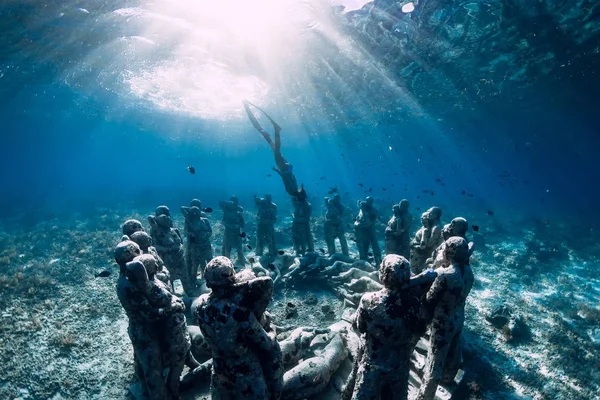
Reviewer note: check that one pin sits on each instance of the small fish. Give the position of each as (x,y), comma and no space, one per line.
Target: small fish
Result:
(269,175)
(191,169)
(251,259)
(490,212)
(208,210)
(463,192)
(243,234)
(438,180)
(470,194)
(249,247)
(370,189)
(432,192)
(418,197)
(271,266)
(321,178)
(475,228)
(322,250)
(332,190)
(281,252)
(384,189)
(418,208)
(103,274)
(361,185)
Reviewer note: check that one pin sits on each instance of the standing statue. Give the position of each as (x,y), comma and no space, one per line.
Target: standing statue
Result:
(397,233)
(333,226)
(265,230)
(301,235)
(170,311)
(143,326)
(233,221)
(247,362)
(198,250)
(427,239)
(447,297)
(390,322)
(169,245)
(364,228)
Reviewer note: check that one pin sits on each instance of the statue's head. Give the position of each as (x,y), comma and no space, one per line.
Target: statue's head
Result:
(394,271)
(369,200)
(456,250)
(143,239)
(404,205)
(268,197)
(459,227)
(162,210)
(126,251)
(131,226)
(219,273)
(196,203)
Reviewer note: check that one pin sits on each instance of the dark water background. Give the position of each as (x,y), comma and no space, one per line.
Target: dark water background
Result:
(532,150)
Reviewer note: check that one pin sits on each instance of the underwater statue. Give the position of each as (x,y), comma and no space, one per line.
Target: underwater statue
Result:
(233,221)
(169,245)
(265,230)
(144,240)
(333,226)
(427,239)
(312,375)
(197,249)
(170,310)
(397,232)
(143,326)
(390,322)
(364,229)
(446,298)
(247,361)
(302,238)
(131,226)
(457,227)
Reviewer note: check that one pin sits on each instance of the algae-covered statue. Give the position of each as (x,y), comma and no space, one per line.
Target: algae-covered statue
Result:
(364,229)
(457,227)
(171,319)
(233,221)
(427,239)
(333,226)
(446,298)
(247,361)
(301,234)
(169,245)
(390,323)
(142,329)
(265,231)
(198,250)
(397,232)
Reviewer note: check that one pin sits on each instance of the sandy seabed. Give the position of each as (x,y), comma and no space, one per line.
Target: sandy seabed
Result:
(63,333)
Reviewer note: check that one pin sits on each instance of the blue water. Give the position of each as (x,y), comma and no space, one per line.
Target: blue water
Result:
(75,139)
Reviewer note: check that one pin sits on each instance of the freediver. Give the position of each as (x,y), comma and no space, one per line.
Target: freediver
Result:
(284,168)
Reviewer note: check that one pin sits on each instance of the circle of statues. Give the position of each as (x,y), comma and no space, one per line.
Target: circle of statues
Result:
(415,293)
(403,313)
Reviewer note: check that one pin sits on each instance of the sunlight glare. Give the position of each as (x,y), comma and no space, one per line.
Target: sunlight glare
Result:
(199,66)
